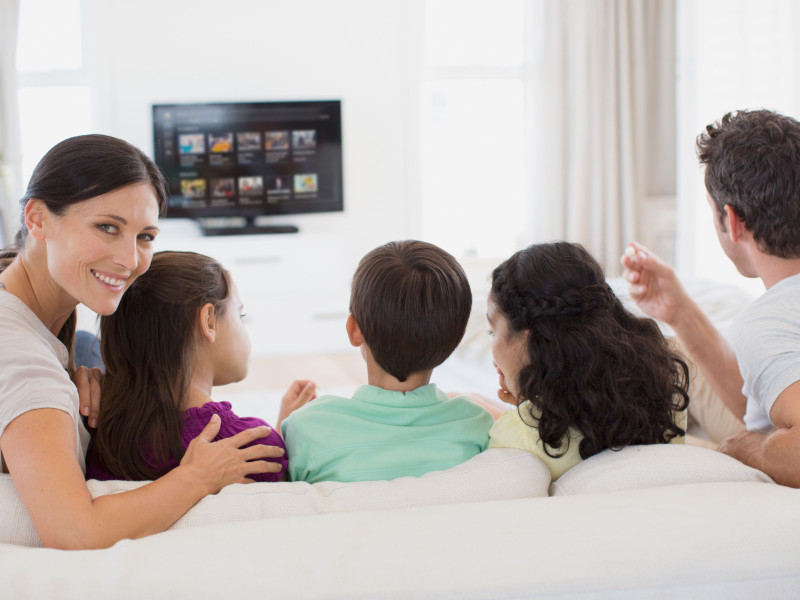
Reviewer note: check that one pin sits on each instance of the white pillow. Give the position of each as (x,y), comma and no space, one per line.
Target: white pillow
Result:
(653,465)
(497,474)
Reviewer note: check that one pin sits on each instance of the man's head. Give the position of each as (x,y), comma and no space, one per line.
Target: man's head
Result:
(752,161)
(411,301)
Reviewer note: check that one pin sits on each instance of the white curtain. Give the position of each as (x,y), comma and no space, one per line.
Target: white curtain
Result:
(609,119)
(9,121)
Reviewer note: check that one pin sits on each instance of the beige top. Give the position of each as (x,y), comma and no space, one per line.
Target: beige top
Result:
(33,370)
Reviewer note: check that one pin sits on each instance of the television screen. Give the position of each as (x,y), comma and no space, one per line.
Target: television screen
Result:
(242,160)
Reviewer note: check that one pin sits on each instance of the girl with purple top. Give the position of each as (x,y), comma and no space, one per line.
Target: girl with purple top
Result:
(177,332)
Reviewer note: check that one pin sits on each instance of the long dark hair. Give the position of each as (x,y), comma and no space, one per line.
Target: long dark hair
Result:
(77,169)
(592,364)
(147,346)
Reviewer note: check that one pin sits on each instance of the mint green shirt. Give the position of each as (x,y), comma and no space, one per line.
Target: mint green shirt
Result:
(379,434)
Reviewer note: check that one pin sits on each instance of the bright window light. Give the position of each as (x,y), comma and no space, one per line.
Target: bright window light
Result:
(49,35)
(474,166)
(49,115)
(736,54)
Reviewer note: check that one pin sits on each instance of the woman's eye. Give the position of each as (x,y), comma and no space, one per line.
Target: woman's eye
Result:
(107,228)
(147,237)
(490,332)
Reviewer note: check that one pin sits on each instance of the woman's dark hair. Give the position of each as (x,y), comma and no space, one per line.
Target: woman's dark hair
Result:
(77,169)
(752,162)
(411,301)
(147,346)
(591,365)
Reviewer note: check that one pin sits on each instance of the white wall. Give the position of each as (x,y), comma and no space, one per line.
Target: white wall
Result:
(162,51)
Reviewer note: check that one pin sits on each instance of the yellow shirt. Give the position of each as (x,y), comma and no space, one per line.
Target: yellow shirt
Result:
(511,431)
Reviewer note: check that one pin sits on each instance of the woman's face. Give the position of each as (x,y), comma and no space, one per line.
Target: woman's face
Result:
(98,247)
(232,345)
(508,349)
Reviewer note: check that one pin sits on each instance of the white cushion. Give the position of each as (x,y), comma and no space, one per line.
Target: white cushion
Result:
(501,473)
(652,466)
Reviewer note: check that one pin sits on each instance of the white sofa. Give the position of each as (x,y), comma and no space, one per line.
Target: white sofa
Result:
(645,522)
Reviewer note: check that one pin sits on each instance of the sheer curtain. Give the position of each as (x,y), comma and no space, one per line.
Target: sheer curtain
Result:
(608,120)
(9,122)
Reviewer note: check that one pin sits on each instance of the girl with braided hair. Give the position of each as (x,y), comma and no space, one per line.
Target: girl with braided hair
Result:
(584,372)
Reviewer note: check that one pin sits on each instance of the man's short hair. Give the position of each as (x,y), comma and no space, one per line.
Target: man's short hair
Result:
(752,161)
(411,301)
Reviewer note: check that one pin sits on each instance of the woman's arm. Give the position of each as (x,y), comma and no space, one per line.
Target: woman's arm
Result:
(39,450)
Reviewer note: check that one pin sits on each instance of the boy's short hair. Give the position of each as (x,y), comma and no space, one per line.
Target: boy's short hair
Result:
(752,162)
(411,301)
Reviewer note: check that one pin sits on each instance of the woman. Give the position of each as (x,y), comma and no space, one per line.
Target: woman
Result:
(585,374)
(89,220)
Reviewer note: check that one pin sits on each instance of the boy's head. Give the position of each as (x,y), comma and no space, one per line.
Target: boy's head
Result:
(411,301)
(752,162)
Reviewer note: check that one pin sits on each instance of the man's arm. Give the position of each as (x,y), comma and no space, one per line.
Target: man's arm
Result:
(657,290)
(776,453)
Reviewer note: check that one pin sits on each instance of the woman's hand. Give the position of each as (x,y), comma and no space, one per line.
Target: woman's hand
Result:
(504,395)
(228,461)
(300,393)
(88,383)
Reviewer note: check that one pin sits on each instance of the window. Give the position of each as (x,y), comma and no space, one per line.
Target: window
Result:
(481,65)
(53,93)
(731,55)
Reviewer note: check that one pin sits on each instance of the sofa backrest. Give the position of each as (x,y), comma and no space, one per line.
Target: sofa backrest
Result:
(496,474)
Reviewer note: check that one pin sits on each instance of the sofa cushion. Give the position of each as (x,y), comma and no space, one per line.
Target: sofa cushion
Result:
(496,474)
(652,466)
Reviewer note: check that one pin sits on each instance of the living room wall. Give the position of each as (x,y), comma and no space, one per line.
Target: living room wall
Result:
(153,51)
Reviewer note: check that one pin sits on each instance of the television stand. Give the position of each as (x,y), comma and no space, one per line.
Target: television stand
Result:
(241,226)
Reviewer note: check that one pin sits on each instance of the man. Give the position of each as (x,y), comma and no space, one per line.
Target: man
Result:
(752,176)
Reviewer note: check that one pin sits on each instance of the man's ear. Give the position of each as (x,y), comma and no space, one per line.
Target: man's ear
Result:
(734,222)
(36,218)
(207,322)
(353,331)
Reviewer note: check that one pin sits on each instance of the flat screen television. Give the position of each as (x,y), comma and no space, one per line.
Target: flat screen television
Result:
(231,164)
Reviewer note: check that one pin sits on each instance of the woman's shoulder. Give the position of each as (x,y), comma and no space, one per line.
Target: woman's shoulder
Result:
(22,331)
(511,431)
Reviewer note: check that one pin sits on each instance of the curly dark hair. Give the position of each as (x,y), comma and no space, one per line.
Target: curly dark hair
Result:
(592,365)
(752,161)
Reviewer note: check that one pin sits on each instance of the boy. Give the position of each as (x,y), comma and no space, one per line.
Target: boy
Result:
(409,306)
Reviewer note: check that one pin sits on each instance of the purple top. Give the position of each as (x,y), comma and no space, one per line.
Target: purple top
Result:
(194,421)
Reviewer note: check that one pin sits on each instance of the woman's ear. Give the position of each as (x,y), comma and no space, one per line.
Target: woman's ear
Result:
(36,217)
(354,332)
(207,322)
